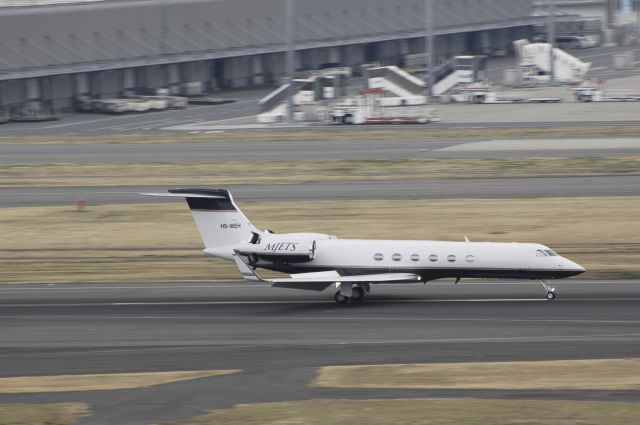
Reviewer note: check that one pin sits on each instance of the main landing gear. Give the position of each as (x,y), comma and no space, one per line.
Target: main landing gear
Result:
(341,299)
(348,292)
(551,292)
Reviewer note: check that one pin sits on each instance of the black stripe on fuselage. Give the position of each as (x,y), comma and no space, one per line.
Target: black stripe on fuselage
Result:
(434,273)
(206,210)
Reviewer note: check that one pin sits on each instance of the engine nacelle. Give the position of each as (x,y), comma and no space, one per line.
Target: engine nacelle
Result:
(283,248)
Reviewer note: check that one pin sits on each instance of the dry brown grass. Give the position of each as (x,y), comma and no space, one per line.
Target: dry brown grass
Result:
(346,134)
(602,374)
(111,381)
(159,242)
(308,171)
(441,411)
(42,414)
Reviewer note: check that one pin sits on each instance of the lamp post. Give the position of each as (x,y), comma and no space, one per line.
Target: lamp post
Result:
(290,52)
(428,45)
(551,30)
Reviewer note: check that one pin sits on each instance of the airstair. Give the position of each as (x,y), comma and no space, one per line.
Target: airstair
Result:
(408,90)
(458,70)
(306,92)
(535,62)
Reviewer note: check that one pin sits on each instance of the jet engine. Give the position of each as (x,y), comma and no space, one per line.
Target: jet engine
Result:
(282,248)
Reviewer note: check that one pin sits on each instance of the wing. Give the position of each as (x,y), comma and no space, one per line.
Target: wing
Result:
(319,281)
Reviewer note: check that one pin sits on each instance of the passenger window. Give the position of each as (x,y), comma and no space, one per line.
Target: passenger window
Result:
(415,257)
(378,257)
(470,258)
(433,258)
(451,258)
(396,257)
(539,253)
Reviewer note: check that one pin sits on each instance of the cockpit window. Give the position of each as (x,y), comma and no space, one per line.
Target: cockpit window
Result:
(550,253)
(540,253)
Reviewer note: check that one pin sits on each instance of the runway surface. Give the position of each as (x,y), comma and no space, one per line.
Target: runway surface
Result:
(280,337)
(316,150)
(352,190)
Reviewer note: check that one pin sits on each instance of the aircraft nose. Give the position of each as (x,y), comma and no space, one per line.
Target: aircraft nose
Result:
(571,266)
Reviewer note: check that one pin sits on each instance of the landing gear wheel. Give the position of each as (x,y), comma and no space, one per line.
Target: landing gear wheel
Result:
(358,294)
(340,299)
(551,292)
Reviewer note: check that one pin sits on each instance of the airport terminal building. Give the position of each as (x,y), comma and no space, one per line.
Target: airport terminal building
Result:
(54,53)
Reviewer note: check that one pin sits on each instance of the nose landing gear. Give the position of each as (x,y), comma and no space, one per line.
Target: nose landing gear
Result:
(551,292)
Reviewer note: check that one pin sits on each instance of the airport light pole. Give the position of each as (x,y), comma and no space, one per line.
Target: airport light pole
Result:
(637,22)
(428,46)
(551,31)
(290,58)
(165,28)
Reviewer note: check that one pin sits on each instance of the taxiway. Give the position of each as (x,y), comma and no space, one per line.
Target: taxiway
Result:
(352,190)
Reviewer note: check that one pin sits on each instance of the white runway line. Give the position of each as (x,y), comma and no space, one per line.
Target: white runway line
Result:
(304,301)
(139,124)
(331,318)
(546,144)
(316,343)
(213,125)
(177,286)
(100,287)
(120,117)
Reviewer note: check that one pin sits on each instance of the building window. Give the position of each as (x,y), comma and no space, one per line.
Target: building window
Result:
(470,258)
(451,258)
(396,257)
(433,258)
(415,257)
(378,257)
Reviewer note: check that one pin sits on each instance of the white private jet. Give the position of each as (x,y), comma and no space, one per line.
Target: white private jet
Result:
(317,261)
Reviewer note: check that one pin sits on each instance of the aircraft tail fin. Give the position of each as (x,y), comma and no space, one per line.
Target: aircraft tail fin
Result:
(219,220)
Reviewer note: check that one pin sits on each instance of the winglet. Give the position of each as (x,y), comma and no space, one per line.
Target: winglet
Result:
(247,272)
(466,239)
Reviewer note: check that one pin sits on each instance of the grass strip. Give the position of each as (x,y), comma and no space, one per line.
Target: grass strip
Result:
(159,242)
(441,411)
(345,134)
(235,172)
(42,414)
(601,374)
(110,381)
